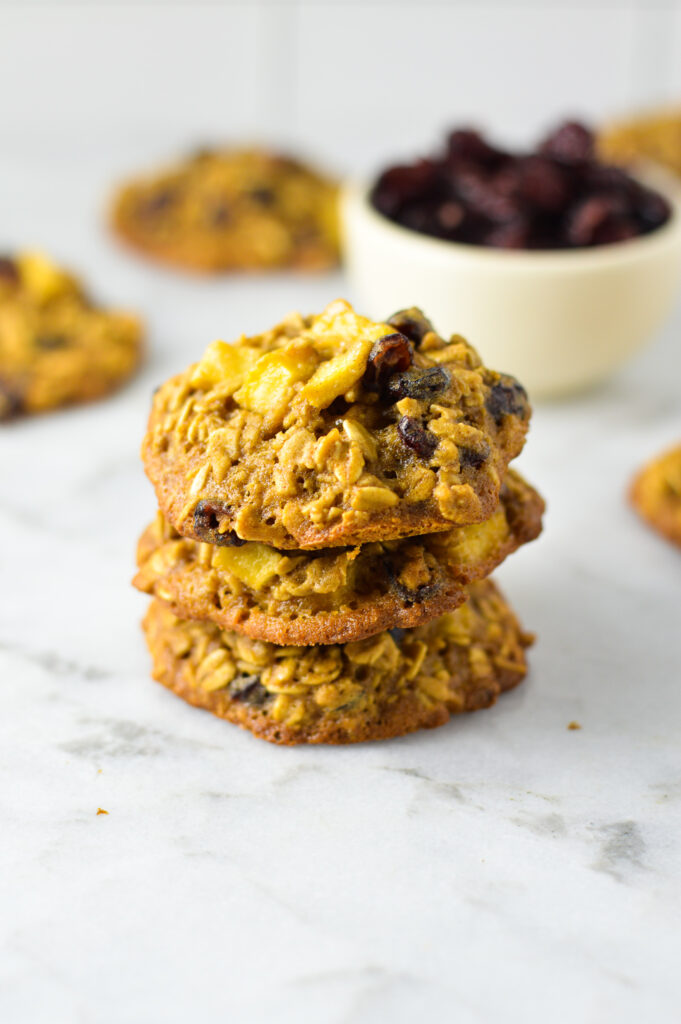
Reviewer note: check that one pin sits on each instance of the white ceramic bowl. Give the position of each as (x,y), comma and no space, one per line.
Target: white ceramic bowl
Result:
(559,321)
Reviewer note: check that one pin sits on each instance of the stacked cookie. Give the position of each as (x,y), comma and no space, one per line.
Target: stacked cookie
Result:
(333,495)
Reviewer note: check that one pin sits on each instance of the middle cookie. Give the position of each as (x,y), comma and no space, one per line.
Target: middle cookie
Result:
(333,595)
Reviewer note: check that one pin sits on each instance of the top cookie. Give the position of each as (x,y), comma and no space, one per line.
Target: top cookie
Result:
(232,210)
(56,346)
(332,430)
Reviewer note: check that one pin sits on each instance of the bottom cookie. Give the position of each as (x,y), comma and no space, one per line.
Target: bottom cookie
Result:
(387,685)
(656,494)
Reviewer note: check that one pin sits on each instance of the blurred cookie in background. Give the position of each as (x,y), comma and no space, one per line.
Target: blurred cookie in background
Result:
(656,494)
(386,685)
(232,209)
(57,347)
(652,136)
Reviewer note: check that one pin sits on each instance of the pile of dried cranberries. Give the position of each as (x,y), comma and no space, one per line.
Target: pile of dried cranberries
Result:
(559,197)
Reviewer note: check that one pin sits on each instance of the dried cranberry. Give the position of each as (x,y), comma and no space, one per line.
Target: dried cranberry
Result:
(207,518)
(9,271)
(513,235)
(480,193)
(507,398)
(473,457)
(219,214)
(390,354)
(615,229)
(398,185)
(451,215)
(423,385)
(263,195)
(652,208)
(542,183)
(249,690)
(469,146)
(421,217)
(551,199)
(412,324)
(572,143)
(416,437)
(606,178)
(474,229)
(409,596)
(589,215)
(157,203)
(48,342)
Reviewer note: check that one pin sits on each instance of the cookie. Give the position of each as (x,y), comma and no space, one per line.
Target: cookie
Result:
(387,685)
(333,430)
(56,346)
(656,494)
(235,209)
(654,136)
(338,594)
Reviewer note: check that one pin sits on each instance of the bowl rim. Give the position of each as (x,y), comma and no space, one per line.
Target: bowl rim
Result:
(356,194)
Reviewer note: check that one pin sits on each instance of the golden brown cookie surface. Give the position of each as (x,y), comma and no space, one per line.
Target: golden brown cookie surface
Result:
(384,686)
(56,347)
(332,430)
(656,494)
(238,209)
(338,594)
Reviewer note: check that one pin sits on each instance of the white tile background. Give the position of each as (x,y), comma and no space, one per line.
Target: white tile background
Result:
(353,82)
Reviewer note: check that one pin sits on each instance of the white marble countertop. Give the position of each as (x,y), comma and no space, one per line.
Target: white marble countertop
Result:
(499,869)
